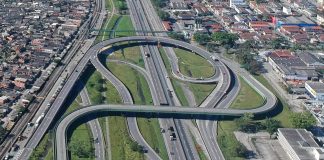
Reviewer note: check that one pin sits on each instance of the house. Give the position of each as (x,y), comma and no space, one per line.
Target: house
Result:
(20,82)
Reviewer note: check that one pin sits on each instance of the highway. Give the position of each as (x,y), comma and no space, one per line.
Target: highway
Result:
(95,128)
(183,147)
(93,51)
(221,75)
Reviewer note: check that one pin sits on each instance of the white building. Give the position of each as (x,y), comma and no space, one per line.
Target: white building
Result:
(320,19)
(315,90)
(300,144)
(236,2)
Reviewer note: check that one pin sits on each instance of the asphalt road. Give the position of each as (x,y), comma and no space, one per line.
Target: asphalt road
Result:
(93,51)
(95,128)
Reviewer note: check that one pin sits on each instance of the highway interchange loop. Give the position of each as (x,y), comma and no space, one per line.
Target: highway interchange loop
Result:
(206,109)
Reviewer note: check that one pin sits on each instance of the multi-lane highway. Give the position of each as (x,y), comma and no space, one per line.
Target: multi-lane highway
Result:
(92,54)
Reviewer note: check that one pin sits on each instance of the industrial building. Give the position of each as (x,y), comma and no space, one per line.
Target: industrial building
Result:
(300,144)
(315,90)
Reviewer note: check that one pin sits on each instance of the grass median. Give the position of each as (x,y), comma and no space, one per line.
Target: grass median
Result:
(247,98)
(192,65)
(139,89)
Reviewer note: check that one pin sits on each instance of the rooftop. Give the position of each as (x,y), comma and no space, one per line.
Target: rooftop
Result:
(317,86)
(301,141)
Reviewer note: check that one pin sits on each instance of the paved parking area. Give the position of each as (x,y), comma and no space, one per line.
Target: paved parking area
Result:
(261,147)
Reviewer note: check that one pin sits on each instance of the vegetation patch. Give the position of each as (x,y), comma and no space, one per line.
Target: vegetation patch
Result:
(193,65)
(121,143)
(201,91)
(80,143)
(149,128)
(247,98)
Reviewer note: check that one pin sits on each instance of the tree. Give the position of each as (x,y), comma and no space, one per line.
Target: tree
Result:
(163,15)
(271,125)
(278,43)
(81,149)
(244,121)
(302,120)
(177,36)
(224,38)
(201,38)
(3,132)
(121,5)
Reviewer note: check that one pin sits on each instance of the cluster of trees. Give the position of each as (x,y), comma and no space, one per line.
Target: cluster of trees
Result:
(246,124)
(3,132)
(137,147)
(224,38)
(121,5)
(97,85)
(159,3)
(235,148)
(299,120)
(246,58)
(177,36)
(81,149)
(279,43)
(163,15)
(201,38)
(302,120)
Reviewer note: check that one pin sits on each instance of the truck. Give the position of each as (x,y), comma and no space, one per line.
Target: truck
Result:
(39,119)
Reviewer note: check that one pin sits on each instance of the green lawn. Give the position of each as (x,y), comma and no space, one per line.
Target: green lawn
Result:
(112,96)
(120,140)
(74,106)
(150,130)
(131,54)
(193,65)
(135,82)
(125,24)
(108,25)
(81,133)
(139,89)
(227,140)
(94,87)
(248,98)
(201,91)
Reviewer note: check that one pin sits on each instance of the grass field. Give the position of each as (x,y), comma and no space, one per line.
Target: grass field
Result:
(247,98)
(94,85)
(134,82)
(141,94)
(120,140)
(125,24)
(81,133)
(201,91)
(193,65)
(150,130)
(227,140)
(131,54)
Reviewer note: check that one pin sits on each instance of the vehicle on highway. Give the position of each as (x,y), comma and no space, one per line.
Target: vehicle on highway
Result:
(39,119)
